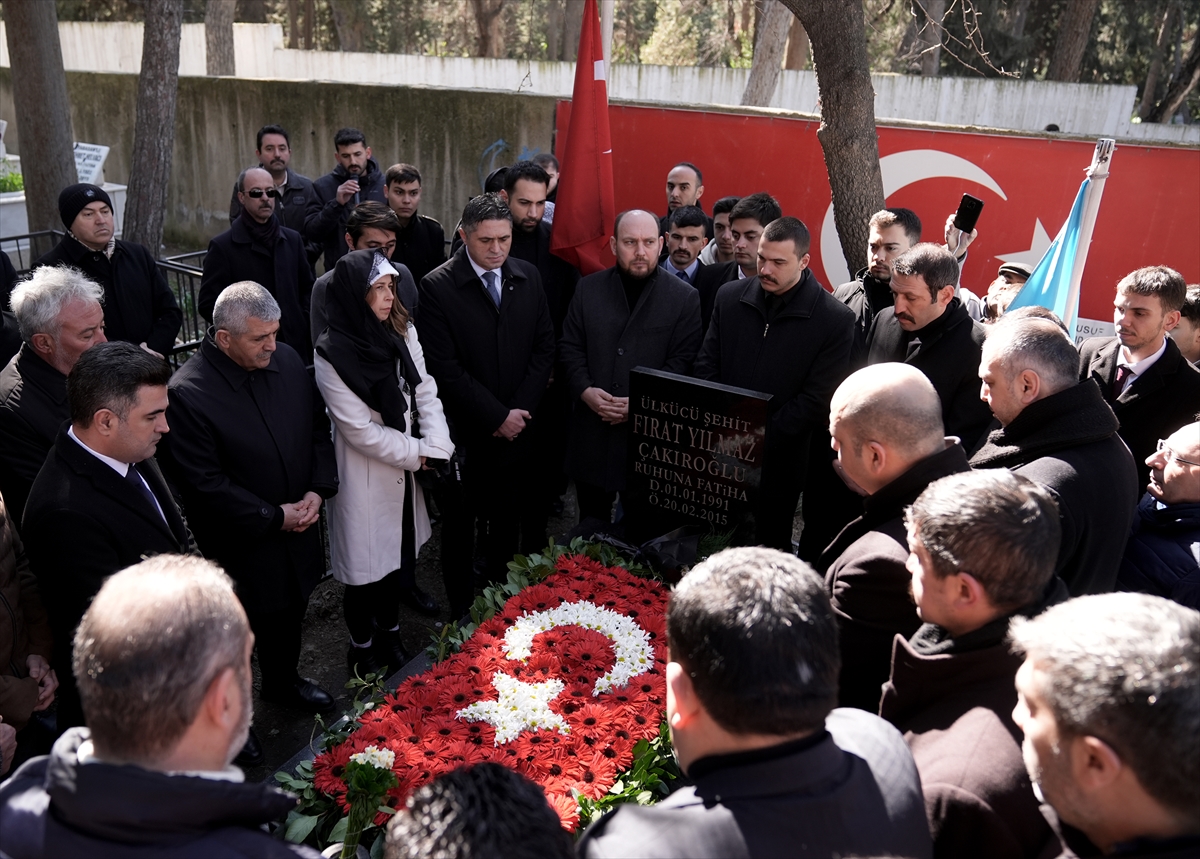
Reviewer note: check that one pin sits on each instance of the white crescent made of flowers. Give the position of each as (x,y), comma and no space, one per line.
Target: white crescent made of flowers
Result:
(526,706)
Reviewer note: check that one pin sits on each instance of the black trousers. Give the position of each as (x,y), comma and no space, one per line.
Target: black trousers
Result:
(277,637)
(594,502)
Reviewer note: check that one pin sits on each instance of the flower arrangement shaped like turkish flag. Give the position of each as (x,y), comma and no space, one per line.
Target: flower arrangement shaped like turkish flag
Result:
(559,685)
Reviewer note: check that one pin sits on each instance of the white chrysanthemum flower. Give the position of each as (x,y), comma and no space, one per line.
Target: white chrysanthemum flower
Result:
(383,759)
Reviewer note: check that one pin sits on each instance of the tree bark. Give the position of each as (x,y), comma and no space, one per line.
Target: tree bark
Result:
(775,20)
(1017,15)
(1074,27)
(293,16)
(43,112)
(154,129)
(847,134)
(349,19)
(1181,85)
(252,11)
(490,26)
(1150,89)
(310,21)
(218,37)
(554,27)
(931,37)
(797,47)
(572,30)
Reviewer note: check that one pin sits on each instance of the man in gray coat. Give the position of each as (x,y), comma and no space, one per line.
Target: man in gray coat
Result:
(631,315)
(775,770)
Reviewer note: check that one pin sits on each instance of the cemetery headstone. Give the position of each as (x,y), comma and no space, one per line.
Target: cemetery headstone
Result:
(695,455)
(89,162)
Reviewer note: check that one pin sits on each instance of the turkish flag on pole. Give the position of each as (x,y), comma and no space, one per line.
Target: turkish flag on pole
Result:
(586,207)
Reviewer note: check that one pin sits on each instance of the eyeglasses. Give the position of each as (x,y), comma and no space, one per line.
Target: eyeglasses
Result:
(1171,455)
(258,192)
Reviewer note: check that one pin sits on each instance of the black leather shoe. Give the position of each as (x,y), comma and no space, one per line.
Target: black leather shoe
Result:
(417,599)
(252,754)
(362,661)
(389,650)
(303,694)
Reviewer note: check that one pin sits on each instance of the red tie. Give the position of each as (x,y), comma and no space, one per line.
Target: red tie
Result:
(1123,373)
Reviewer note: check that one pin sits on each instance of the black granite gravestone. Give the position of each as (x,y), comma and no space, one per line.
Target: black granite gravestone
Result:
(695,455)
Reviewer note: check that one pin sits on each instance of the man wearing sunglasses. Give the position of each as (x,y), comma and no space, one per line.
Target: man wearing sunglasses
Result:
(258,248)
(1163,554)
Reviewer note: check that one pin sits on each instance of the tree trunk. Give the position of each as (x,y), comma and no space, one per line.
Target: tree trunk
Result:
(1074,27)
(490,26)
(1150,89)
(572,30)
(252,11)
(554,27)
(154,129)
(847,134)
(218,37)
(43,112)
(293,16)
(1183,83)
(310,21)
(350,22)
(931,37)
(1017,15)
(775,21)
(797,47)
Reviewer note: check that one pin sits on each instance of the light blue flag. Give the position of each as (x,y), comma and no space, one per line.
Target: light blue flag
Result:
(1049,285)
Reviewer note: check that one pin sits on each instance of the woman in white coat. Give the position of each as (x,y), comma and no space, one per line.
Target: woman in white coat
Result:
(387,420)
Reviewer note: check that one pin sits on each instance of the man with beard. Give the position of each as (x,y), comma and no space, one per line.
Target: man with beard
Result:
(274,154)
(892,232)
(632,315)
(780,332)
(163,659)
(1109,700)
(259,249)
(356,179)
(1152,388)
(525,191)
(929,328)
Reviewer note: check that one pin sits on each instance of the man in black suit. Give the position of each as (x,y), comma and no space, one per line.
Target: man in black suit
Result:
(100,504)
(59,315)
(1150,385)
(928,327)
(258,248)
(420,239)
(775,770)
(139,307)
(747,220)
(489,343)
(526,186)
(683,243)
(253,459)
(780,332)
(685,187)
(1061,433)
(632,315)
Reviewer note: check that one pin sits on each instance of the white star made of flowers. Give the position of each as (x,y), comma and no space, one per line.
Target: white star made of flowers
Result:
(519,707)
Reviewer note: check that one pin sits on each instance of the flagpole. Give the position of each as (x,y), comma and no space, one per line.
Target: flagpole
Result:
(1097,173)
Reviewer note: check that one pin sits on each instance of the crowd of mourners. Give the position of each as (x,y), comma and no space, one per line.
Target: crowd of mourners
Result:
(984,642)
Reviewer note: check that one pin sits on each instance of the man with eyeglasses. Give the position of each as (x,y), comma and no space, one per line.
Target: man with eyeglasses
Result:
(1163,554)
(1059,432)
(258,248)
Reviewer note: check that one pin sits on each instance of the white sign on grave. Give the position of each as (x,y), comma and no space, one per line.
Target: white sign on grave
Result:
(89,162)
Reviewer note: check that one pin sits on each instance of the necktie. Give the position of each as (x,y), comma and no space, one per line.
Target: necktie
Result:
(682,275)
(135,480)
(1123,373)
(493,289)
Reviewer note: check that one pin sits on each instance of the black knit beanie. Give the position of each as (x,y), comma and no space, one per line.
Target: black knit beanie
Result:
(73,199)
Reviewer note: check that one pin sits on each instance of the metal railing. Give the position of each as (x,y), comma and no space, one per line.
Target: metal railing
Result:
(29,246)
(183,273)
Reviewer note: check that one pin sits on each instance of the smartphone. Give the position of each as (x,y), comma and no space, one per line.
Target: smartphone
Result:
(968,213)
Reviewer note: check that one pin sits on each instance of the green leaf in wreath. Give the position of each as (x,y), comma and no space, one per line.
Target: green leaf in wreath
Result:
(338,833)
(301,827)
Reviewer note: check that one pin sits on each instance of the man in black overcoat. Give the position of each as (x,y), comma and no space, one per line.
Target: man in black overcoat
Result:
(139,307)
(259,249)
(1151,387)
(59,314)
(928,327)
(632,315)
(100,503)
(780,332)
(252,456)
(356,179)
(1060,432)
(489,343)
(747,220)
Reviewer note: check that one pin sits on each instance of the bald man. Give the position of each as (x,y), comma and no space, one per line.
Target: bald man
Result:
(631,315)
(886,423)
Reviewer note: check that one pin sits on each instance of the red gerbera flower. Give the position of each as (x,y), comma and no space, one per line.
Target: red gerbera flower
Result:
(455,693)
(567,809)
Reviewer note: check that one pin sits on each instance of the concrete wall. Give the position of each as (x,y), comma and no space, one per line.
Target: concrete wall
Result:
(454,137)
(1079,109)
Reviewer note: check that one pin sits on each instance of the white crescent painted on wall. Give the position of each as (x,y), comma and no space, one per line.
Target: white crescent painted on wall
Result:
(899,170)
